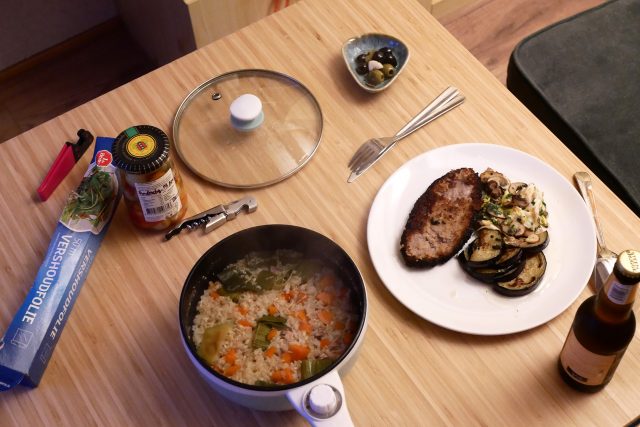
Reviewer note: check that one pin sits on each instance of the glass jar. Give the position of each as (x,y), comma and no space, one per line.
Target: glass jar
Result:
(152,187)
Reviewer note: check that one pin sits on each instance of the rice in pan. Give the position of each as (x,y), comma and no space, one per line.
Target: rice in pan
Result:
(274,318)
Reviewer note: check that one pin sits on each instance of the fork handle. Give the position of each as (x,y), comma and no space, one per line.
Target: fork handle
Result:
(586,190)
(446,101)
(443,100)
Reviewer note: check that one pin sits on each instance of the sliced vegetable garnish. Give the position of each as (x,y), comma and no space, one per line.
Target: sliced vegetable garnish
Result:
(235,280)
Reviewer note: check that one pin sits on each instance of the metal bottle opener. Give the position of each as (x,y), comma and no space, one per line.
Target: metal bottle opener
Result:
(215,217)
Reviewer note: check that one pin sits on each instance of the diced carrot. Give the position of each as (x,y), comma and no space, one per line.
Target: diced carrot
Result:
(287,376)
(242,309)
(305,326)
(325,316)
(326,281)
(301,296)
(230,357)
(325,297)
(282,376)
(298,351)
(272,309)
(324,342)
(244,322)
(272,334)
(338,326)
(231,370)
(286,358)
(214,294)
(288,296)
(270,352)
(347,337)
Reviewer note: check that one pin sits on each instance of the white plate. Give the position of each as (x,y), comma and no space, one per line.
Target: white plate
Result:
(444,294)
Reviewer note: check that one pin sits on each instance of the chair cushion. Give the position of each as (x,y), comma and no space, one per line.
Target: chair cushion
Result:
(581,78)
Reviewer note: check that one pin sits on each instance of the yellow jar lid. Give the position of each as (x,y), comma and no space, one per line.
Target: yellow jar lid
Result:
(140,149)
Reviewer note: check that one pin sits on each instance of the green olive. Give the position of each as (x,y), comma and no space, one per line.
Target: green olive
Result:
(388,70)
(368,57)
(375,77)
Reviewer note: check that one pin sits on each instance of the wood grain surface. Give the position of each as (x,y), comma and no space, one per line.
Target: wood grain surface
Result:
(120,360)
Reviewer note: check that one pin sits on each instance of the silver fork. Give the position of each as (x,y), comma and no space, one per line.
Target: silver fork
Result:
(373,149)
(606,258)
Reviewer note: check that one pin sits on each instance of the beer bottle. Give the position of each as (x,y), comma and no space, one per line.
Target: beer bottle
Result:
(602,329)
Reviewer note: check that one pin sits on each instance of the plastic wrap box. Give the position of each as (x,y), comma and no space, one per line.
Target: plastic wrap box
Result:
(29,341)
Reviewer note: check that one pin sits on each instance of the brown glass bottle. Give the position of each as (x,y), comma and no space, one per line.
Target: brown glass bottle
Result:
(602,329)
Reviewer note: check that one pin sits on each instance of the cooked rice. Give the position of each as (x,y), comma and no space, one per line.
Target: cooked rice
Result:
(252,365)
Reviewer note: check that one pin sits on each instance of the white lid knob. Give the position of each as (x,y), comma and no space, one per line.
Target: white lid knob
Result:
(246,107)
(323,400)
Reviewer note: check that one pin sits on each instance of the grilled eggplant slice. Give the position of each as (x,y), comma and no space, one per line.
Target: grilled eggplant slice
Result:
(509,258)
(493,274)
(485,249)
(531,247)
(534,268)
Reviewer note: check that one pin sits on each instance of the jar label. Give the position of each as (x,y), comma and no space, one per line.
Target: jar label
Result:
(620,294)
(584,366)
(159,199)
(141,146)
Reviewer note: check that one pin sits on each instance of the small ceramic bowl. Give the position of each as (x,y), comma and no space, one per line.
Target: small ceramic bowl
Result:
(372,42)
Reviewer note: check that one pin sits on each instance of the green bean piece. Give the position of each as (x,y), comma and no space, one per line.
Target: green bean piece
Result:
(277,322)
(311,367)
(260,336)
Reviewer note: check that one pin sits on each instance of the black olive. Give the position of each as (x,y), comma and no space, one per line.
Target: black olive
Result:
(361,59)
(385,49)
(362,69)
(389,58)
(378,56)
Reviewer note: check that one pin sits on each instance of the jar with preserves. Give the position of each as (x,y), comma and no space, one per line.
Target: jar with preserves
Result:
(152,186)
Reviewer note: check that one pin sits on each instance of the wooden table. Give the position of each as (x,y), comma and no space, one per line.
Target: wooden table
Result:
(120,360)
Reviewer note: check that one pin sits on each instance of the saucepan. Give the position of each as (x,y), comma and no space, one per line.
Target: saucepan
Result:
(320,397)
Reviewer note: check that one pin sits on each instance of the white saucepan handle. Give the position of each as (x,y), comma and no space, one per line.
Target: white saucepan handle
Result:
(322,402)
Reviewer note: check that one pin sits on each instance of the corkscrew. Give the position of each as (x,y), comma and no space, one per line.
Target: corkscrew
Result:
(215,217)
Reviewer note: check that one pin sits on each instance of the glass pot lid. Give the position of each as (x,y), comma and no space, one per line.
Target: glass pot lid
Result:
(248,128)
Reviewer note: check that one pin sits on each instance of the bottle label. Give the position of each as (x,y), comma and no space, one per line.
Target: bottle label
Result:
(584,366)
(620,294)
(159,199)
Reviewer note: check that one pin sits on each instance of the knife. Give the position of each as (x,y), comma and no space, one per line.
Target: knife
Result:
(62,165)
